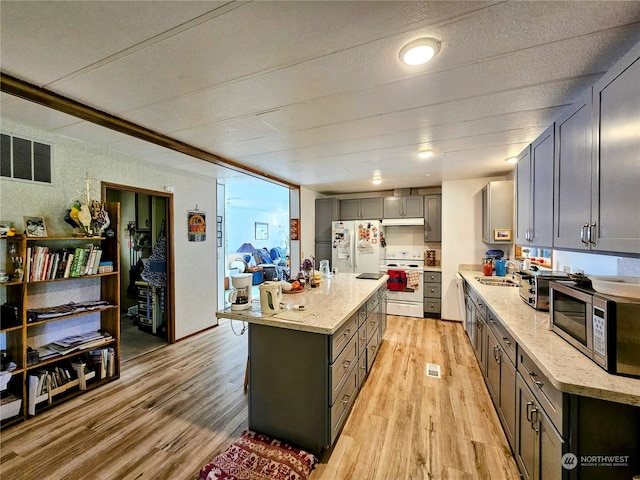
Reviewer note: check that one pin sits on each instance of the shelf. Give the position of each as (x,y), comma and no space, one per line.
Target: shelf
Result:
(73,278)
(67,238)
(9,284)
(10,329)
(75,353)
(71,315)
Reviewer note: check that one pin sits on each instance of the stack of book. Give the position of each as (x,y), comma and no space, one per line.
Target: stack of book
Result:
(73,343)
(39,314)
(44,263)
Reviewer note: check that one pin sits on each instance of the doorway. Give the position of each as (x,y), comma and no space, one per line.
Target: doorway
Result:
(146,280)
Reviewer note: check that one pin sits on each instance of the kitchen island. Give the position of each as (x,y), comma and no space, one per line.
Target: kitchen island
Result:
(306,366)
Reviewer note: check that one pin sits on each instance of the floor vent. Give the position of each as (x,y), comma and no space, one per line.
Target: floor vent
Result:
(433,370)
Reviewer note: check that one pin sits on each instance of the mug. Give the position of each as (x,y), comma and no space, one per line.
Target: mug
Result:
(501,268)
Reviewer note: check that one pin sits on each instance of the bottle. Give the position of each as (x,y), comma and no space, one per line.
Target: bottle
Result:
(487,268)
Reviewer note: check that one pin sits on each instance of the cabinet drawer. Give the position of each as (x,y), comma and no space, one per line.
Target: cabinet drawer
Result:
(373,327)
(340,409)
(549,397)
(340,369)
(505,339)
(340,339)
(431,305)
(372,351)
(372,303)
(362,338)
(432,277)
(362,314)
(432,290)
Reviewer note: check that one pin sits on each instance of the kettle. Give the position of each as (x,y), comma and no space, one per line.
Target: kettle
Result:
(324,268)
(270,297)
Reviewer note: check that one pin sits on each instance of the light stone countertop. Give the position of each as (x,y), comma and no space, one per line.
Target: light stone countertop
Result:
(566,368)
(436,268)
(327,307)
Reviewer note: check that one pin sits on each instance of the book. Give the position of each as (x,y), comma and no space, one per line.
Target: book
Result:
(67,267)
(96,262)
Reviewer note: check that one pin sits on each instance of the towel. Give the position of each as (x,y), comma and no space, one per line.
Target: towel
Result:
(413,279)
(397,280)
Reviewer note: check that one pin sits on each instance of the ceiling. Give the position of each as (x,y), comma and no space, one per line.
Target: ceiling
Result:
(312,93)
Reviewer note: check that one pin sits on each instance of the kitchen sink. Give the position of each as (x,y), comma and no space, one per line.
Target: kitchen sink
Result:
(497,281)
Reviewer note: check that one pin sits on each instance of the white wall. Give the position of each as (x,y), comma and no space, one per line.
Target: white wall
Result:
(461,235)
(195,262)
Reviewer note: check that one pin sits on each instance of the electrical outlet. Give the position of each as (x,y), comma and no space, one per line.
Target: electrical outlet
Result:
(567,269)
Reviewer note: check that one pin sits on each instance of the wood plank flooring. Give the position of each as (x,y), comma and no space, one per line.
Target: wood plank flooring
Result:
(176,408)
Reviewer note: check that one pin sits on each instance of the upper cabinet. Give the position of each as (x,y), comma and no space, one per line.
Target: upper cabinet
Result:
(433,218)
(327,210)
(534,196)
(361,208)
(615,217)
(573,175)
(597,170)
(497,212)
(404,207)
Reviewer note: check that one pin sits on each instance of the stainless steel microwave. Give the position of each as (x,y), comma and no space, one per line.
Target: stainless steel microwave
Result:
(603,327)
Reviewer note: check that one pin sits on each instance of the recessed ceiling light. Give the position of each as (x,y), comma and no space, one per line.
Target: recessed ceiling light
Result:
(376,179)
(425,153)
(511,160)
(419,51)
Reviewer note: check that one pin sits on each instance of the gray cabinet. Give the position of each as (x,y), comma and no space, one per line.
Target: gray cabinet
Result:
(404,207)
(432,283)
(497,211)
(539,445)
(573,175)
(534,198)
(433,218)
(327,211)
(615,217)
(361,208)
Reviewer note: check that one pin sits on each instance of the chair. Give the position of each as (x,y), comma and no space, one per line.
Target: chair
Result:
(272,271)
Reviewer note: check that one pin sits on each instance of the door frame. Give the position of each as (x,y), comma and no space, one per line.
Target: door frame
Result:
(171,288)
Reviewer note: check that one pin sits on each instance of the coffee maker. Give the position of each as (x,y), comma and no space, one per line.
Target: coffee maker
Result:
(240,296)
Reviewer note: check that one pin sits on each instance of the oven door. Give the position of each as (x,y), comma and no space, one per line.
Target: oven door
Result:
(571,316)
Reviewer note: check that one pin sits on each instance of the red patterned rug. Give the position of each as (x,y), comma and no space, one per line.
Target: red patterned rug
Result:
(258,457)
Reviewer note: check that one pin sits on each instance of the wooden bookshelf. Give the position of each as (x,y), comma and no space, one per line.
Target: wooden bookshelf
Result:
(21,334)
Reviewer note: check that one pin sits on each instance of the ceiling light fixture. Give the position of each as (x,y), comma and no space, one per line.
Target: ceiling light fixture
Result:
(511,160)
(425,153)
(376,179)
(419,51)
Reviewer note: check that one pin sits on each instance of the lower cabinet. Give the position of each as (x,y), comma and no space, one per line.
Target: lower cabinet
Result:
(432,294)
(539,445)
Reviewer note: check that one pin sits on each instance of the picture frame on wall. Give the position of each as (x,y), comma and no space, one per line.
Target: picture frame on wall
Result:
(502,234)
(35,226)
(262,231)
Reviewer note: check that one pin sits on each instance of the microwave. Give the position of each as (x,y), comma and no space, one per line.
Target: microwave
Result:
(605,328)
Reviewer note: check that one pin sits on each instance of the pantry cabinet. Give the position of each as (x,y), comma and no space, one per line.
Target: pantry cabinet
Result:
(497,212)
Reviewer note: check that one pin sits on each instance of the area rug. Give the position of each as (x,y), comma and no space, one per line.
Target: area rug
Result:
(258,457)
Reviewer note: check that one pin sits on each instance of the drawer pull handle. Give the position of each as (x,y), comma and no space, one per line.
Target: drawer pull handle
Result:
(534,421)
(529,404)
(506,340)
(345,399)
(538,383)
(346,332)
(346,364)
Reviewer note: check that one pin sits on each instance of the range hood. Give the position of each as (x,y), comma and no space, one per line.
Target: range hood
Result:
(402,221)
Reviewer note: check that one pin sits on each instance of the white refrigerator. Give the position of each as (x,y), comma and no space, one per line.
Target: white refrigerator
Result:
(357,246)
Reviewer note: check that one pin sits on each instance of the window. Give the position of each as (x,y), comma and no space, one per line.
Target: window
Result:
(24,159)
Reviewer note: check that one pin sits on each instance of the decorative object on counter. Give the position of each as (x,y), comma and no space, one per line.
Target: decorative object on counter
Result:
(258,456)
(35,227)
(430,258)
(307,266)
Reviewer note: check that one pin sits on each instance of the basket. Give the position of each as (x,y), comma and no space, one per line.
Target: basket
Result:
(10,406)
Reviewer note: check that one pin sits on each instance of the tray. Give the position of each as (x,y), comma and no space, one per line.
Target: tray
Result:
(290,292)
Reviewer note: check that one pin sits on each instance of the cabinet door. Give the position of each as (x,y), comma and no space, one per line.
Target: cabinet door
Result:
(327,210)
(393,207)
(526,436)
(323,251)
(433,218)
(508,399)
(542,189)
(548,466)
(371,208)
(493,368)
(572,189)
(350,209)
(486,214)
(482,344)
(414,206)
(523,196)
(616,173)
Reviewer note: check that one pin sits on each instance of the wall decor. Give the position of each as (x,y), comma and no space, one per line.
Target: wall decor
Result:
(502,234)
(262,231)
(35,226)
(197,225)
(294,229)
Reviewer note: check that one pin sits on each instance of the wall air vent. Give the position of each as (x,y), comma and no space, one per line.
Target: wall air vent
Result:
(23,159)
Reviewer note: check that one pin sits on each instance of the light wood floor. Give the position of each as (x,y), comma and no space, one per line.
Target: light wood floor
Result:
(176,408)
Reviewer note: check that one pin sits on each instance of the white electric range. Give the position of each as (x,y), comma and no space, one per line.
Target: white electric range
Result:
(409,301)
